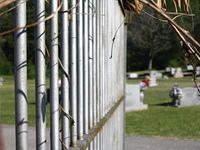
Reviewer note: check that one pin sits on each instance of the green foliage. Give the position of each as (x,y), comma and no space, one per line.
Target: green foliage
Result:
(31,71)
(161,120)
(149,39)
(6,68)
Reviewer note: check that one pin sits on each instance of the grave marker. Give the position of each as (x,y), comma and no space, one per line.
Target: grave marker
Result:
(134,98)
(153,78)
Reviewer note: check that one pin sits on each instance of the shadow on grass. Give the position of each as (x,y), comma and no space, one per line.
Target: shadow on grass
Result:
(168,104)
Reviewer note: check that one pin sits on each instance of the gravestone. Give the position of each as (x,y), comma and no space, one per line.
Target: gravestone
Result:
(168,69)
(178,73)
(172,71)
(198,70)
(153,78)
(134,98)
(1,80)
(190,68)
(132,75)
(159,75)
(188,97)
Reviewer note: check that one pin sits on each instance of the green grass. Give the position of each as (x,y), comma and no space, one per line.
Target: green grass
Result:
(161,120)
(158,120)
(7,102)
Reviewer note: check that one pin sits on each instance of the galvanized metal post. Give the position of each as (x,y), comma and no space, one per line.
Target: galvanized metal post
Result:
(101,61)
(94,63)
(54,97)
(91,100)
(21,101)
(103,57)
(98,60)
(86,73)
(65,79)
(80,69)
(40,78)
(73,72)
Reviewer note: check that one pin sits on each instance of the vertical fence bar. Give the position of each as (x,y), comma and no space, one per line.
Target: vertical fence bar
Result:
(73,72)
(101,69)
(94,62)
(40,78)
(86,74)
(97,72)
(54,97)
(21,101)
(103,56)
(65,79)
(90,65)
(95,68)
(80,69)
(97,61)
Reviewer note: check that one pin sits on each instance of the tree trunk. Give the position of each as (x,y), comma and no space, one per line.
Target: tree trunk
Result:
(150,63)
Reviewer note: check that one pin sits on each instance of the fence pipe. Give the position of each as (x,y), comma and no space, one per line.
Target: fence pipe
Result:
(103,56)
(21,101)
(80,69)
(102,68)
(73,73)
(86,74)
(54,97)
(97,70)
(94,63)
(40,78)
(90,65)
(64,79)
(98,59)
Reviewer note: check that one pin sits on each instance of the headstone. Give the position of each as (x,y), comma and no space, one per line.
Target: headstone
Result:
(188,97)
(198,70)
(132,75)
(159,75)
(168,69)
(190,68)
(134,98)
(165,77)
(153,78)
(178,73)
(1,80)
(172,71)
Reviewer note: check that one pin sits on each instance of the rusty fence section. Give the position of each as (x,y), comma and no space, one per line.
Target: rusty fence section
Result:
(86,81)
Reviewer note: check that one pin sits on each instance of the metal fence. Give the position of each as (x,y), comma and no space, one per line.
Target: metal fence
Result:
(89,113)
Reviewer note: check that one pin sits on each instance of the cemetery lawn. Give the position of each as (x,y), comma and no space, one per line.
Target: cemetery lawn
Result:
(7,107)
(161,120)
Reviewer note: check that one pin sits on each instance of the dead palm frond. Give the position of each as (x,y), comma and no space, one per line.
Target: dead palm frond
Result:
(137,6)
(4,3)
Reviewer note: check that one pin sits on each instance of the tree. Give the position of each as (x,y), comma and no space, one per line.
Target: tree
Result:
(151,36)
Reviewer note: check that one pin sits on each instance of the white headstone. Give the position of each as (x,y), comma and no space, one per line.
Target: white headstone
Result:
(153,78)
(132,75)
(178,73)
(1,80)
(134,98)
(190,97)
(190,68)
(173,70)
(168,69)
(159,75)
(198,70)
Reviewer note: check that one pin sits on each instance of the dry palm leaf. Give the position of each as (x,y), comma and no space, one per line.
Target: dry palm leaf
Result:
(161,3)
(4,3)
(135,6)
